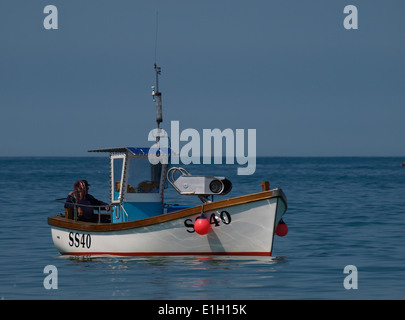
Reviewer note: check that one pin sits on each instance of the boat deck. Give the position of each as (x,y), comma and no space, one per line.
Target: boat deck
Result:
(63,222)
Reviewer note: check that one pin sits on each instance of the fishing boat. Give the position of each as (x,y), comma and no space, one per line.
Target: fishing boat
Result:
(140,223)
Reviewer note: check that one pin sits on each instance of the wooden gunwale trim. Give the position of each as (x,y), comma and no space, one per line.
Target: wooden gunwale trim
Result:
(63,222)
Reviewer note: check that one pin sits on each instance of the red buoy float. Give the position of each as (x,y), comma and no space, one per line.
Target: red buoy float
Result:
(202,226)
(281,229)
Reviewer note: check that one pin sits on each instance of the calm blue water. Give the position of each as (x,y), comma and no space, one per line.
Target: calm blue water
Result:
(342,211)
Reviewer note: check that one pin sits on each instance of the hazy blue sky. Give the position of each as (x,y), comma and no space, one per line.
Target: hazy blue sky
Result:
(288,69)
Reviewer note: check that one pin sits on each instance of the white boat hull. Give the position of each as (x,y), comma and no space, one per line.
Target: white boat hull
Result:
(245,229)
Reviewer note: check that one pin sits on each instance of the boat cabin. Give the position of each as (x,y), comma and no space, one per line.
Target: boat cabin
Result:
(136,185)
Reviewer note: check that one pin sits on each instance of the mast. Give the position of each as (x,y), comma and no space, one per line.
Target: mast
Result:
(157,97)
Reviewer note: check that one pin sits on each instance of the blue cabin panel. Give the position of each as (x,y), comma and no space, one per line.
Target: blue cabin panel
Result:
(176,208)
(137,210)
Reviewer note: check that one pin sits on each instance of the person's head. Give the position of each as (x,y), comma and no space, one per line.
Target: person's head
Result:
(80,189)
(87,184)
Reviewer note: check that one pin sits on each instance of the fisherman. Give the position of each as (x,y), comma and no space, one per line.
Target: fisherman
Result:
(84,202)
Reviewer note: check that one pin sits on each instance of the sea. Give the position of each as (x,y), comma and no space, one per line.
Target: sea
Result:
(345,241)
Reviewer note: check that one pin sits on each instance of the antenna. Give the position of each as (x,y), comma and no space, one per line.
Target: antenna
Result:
(156,94)
(156,34)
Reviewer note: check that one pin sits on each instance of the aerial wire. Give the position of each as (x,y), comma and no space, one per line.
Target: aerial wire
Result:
(156,34)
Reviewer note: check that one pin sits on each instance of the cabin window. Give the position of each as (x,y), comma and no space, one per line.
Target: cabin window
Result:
(117,165)
(143,177)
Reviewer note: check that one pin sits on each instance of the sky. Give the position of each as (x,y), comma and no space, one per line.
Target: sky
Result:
(289,69)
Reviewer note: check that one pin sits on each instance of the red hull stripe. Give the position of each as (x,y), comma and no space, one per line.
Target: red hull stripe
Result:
(143,254)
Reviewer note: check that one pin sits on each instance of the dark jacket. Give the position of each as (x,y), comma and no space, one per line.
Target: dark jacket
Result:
(85,204)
